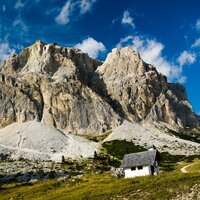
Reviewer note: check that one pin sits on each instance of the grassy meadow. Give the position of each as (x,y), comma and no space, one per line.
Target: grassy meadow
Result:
(105,186)
(98,183)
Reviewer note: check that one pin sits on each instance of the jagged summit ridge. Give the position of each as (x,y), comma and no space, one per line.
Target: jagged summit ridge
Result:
(66,89)
(52,60)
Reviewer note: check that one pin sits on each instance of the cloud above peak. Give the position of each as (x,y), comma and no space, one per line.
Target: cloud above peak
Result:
(186,58)
(18,22)
(69,8)
(19,4)
(86,5)
(2,8)
(63,17)
(91,47)
(198,24)
(5,50)
(196,43)
(127,19)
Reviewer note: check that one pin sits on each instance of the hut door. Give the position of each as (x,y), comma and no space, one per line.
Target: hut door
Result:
(152,170)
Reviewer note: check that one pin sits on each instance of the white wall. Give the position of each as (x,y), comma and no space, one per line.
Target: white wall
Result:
(138,172)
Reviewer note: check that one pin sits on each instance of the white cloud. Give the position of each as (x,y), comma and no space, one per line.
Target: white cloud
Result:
(127,19)
(186,58)
(83,6)
(18,46)
(18,22)
(198,24)
(86,5)
(182,79)
(19,4)
(196,43)
(2,8)
(91,46)
(5,50)
(63,17)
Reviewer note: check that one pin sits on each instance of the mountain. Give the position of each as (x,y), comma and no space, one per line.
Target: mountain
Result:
(65,89)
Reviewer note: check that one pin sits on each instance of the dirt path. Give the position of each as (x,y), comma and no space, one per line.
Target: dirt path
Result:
(184,169)
(24,150)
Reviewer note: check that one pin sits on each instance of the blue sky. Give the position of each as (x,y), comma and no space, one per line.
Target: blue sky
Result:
(166,33)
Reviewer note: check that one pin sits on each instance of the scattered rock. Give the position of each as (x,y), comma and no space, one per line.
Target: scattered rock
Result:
(37,141)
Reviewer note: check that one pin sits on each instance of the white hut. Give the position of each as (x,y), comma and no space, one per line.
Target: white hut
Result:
(141,164)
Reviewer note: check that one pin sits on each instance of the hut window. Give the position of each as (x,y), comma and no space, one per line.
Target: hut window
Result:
(133,168)
(140,167)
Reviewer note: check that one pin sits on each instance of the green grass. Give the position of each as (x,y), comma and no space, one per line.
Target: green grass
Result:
(168,162)
(119,148)
(195,168)
(98,138)
(104,186)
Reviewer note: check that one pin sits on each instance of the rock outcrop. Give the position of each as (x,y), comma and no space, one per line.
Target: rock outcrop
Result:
(66,89)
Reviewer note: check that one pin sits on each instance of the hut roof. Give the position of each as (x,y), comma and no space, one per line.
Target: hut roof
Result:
(139,159)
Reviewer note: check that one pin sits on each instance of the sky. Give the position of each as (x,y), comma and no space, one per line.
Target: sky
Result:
(166,33)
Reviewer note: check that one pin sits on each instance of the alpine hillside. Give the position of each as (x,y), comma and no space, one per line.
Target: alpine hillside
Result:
(65,89)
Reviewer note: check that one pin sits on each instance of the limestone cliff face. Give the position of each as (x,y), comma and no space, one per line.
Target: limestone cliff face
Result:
(66,89)
(140,93)
(47,83)
(173,108)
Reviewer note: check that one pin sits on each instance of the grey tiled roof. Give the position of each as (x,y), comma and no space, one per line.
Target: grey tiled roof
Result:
(139,159)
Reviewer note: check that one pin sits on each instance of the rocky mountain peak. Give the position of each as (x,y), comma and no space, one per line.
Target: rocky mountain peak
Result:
(129,82)
(140,93)
(120,59)
(122,52)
